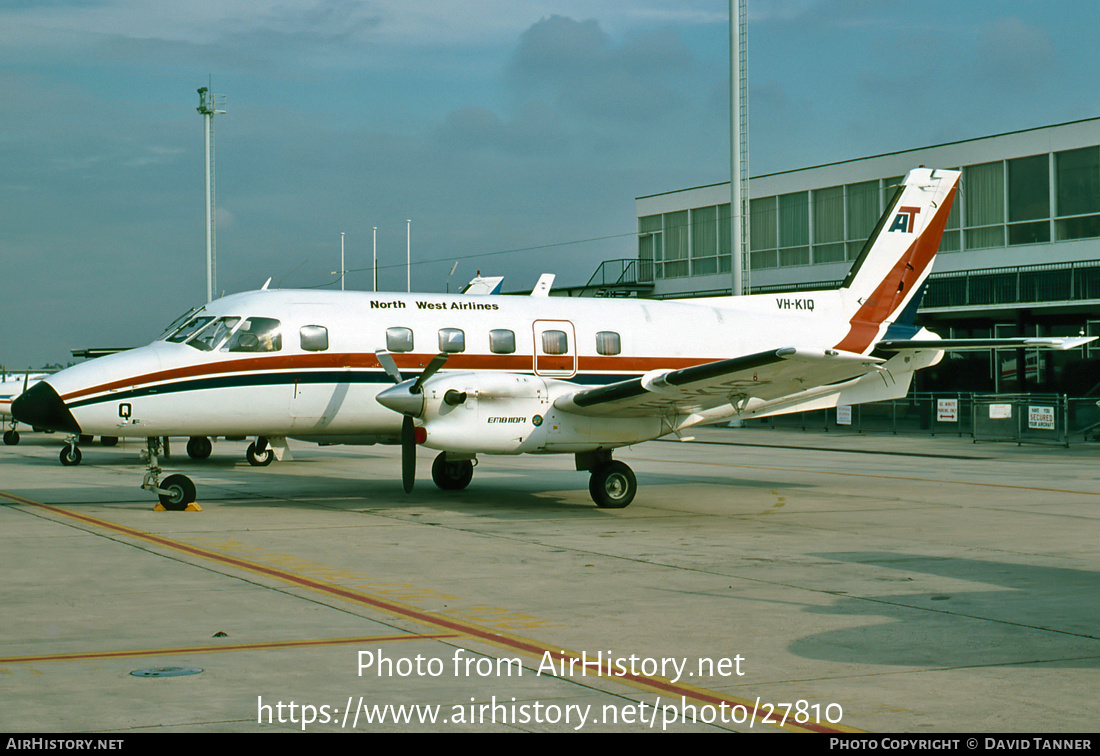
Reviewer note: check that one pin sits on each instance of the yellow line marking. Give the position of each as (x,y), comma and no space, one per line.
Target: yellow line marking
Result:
(86,655)
(529,647)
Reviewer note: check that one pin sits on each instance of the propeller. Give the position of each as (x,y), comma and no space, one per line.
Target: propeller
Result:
(407,397)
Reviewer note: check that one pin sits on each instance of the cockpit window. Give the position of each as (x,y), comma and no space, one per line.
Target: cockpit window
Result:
(256,335)
(180,321)
(188,329)
(211,337)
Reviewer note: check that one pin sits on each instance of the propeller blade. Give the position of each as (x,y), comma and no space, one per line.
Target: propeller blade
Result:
(385,359)
(26,379)
(408,454)
(433,367)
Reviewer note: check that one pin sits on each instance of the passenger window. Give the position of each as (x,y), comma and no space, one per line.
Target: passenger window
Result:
(555,342)
(502,341)
(211,337)
(452,340)
(314,338)
(399,339)
(256,335)
(607,342)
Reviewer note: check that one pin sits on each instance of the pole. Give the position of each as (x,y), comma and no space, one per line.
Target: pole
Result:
(207,120)
(375,234)
(408,255)
(738,145)
(342,269)
(208,106)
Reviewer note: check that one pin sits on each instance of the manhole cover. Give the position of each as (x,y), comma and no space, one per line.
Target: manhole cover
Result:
(166,671)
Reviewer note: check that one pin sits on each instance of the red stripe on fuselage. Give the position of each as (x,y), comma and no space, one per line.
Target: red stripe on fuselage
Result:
(516,363)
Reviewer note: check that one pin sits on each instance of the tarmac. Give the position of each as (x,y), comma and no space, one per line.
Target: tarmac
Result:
(762,581)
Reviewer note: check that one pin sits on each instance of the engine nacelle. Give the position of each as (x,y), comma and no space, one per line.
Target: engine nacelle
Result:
(489,413)
(514,414)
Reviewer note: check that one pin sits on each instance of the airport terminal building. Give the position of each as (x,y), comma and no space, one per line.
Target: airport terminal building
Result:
(1020,255)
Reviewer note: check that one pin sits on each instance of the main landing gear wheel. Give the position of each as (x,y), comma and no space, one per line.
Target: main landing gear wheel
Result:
(453,475)
(70,455)
(613,485)
(199,447)
(181,492)
(11,437)
(260,455)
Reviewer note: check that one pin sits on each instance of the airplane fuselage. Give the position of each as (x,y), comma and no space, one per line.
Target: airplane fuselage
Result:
(539,347)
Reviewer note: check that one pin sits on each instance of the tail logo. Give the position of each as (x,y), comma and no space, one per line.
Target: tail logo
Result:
(905,219)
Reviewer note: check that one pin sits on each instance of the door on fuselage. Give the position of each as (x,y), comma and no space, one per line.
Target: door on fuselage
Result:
(555,348)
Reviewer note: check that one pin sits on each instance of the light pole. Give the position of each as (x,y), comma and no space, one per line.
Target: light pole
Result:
(408,256)
(343,268)
(739,174)
(208,106)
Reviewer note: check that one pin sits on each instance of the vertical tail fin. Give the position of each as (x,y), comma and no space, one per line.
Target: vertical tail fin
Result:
(890,272)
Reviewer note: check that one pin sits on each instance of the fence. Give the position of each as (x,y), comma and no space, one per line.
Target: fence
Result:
(1022,418)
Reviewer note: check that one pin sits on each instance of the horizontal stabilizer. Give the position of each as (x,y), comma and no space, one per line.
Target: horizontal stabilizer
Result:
(969,345)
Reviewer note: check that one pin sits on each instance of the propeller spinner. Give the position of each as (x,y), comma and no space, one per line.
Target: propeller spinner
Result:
(407,397)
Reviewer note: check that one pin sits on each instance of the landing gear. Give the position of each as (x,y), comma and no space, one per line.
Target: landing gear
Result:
(70,454)
(179,492)
(612,485)
(452,475)
(176,491)
(199,447)
(259,453)
(11,437)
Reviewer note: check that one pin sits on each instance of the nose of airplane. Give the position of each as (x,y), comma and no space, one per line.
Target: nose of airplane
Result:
(41,407)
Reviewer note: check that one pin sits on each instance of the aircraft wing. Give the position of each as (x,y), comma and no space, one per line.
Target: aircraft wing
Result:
(765,375)
(970,345)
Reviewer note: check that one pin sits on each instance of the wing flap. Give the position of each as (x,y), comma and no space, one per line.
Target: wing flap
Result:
(764,375)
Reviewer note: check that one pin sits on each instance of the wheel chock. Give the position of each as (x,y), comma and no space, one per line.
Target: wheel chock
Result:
(192,507)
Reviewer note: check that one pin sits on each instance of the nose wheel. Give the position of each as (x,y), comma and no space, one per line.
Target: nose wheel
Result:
(176,492)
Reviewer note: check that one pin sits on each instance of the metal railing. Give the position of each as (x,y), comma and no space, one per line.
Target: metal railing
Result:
(1054,282)
(1020,418)
(622,272)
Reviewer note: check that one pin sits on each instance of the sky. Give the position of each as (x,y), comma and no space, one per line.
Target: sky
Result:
(514,134)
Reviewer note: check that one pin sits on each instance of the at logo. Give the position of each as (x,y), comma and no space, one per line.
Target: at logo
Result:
(904,220)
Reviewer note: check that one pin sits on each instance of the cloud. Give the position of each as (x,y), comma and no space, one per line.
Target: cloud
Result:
(1012,53)
(578,66)
(536,130)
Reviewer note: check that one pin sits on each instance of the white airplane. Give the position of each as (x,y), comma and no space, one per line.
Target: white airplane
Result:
(11,386)
(517,374)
